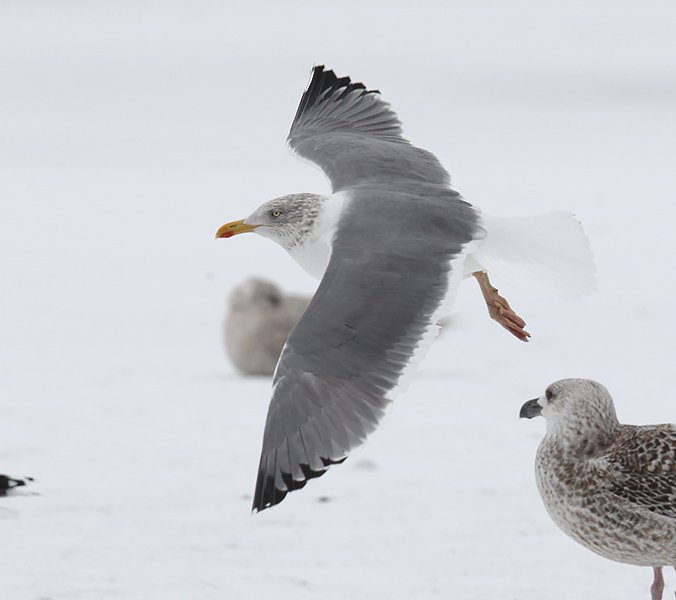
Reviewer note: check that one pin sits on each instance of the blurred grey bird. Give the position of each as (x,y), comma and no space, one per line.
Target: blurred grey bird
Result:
(391,245)
(609,486)
(258,321)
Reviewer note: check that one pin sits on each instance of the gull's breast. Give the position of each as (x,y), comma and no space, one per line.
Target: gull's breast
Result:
(314,252)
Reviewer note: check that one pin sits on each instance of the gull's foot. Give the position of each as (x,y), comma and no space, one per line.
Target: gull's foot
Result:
(500,310)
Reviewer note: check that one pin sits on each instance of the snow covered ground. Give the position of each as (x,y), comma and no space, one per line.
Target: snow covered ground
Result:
(129,131)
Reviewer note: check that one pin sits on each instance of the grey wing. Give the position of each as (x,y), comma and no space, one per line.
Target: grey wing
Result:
(355,137)
(643,469)
(375,302)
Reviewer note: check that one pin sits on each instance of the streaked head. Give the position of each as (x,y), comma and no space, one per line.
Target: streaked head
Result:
(286,220)
(574,406)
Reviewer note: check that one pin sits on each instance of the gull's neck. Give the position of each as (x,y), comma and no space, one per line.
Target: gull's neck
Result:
(582,435)
(312,251)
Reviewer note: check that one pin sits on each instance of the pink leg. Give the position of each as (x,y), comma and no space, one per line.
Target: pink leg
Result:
(657,587)
(499,309)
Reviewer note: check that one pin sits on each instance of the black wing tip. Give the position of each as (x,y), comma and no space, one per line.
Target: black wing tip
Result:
(267,494)
(327,79)
(323,84)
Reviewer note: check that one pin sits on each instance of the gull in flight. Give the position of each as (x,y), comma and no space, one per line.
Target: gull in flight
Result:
(390,245)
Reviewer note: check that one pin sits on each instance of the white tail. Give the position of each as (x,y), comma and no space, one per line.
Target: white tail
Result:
(550,252)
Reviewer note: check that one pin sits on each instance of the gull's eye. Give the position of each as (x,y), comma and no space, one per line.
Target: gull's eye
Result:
(276,213)
(549,395)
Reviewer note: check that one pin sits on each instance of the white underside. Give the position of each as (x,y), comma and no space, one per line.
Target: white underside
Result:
(549,253)
(313,256)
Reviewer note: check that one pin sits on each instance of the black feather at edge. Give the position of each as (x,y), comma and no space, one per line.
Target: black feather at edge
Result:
(323,85)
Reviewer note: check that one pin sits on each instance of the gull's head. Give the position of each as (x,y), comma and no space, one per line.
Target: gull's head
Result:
(287,220)
(574,407)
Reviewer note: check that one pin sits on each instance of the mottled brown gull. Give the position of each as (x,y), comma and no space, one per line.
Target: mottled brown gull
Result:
(609,486)
(260,317)
(390,244)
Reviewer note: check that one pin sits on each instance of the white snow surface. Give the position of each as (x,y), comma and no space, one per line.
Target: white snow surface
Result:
(130,131)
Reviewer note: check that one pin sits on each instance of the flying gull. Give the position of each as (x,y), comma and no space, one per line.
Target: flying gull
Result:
(611,487)
(259,319)
(390,244)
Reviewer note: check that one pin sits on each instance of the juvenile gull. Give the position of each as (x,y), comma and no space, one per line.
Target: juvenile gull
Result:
(611,487)
(259,319)
(390,245)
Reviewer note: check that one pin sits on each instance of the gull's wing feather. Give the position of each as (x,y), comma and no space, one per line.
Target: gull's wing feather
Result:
(642,468)
(385,280)
(355,137)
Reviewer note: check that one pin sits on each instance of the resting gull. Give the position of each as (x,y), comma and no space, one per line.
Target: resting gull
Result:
(390,244)
(611,487)
(259,319)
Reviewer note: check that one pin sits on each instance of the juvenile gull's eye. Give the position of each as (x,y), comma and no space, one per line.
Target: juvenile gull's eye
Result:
(549,395)
(276,213)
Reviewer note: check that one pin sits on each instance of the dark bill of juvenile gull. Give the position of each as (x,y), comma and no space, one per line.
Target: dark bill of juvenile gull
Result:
(395,254)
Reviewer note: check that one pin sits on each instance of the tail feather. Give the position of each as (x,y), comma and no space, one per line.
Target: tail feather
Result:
(549,252)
